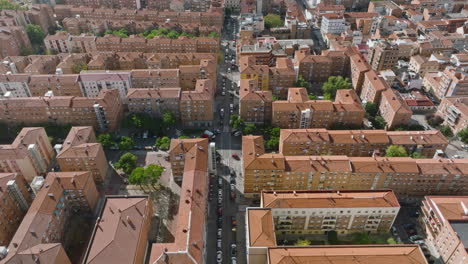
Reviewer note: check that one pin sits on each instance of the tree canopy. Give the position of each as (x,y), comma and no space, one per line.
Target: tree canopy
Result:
(446,131)
(272,21)
(168,119)
(249,129)
(463,135)
(106,140)
(79,66)
(163,143)
(127,162)
(236,122)
(35,33)
(123,33)
(333,84)
(126,143)
(303,242)
(5,4)
(150,174)
(371,109)
(395,151)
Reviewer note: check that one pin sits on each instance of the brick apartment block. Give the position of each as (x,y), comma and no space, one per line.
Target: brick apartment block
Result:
(447,83)
(12,40)
(316,212)
(454,111)
(264,225)
(102,112)
(254,105)
(213,17)
(300,112)
(383,55)
(358,143)
(65,42)
(81,152)
(15,201)
(444,224)
(193,107)
(317,68)
(40,235)
(405,176)
(29,155)
(191,165)
(394,110)
(123,221)
(276,79)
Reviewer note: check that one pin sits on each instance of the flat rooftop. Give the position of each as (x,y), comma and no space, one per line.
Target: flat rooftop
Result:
(461,228)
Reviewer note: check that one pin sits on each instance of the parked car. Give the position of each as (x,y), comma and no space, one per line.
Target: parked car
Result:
(220,211)
(415,238)
(233,180)
(220,222)
(232,172)
(235,156)
(220,233)
(219,257)
(233,250)
(219,244)
(394,231)
(237,133)
(220,182)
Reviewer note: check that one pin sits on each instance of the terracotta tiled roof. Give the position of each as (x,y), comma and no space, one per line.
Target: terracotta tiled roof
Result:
(261,228)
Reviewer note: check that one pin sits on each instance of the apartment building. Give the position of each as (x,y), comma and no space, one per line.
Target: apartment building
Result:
(300,112)
(103,112)
(81,152)
(190,232)
(58,84)
(29,155)
(373,87)
(127,219)
(40,235)
(405,176)
(134,43)
(262,248)
(383,55)
(212,17)
(14,85)
(454,111)
(197,107)
(358,143)
(422,65)
(254,105)
(12,40)
(333,23)
(451,83)
(317,212)
(92,83)
(154,101)
(15,200)
(443,219)
(318,68)
(358,67)
(394,110)
(276,79)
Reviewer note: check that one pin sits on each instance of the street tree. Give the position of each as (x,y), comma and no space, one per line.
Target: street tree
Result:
(333,84)
(446,131)
(137,176)
(249,129)
(168,119)
(152,173)
(463,135)
(126,143)
(127,162)
(105,140)
(395,151)
(371,108)
(163,143)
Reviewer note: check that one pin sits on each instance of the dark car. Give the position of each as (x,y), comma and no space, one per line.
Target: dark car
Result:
(220,221)
(233,180)
(232,172)
(220,211)
(235,156)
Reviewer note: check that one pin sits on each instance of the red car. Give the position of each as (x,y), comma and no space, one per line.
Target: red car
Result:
(235,156)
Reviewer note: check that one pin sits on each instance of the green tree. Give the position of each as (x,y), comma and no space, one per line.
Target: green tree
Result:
(214,35)
(79,66)
(434,120)
(301,82)
(332,237)
(137,176)
(275,97)
(395,151)
(249,129)
(126,143)
(127,162)
(173,34)
(26,51)
(303,242)
(446,131)
(333,84)
(272,143)
(371,109)
(5,4)
(183,137)
(272,21)
(106,140)
(275,132)
(378,122)
(312,96)
(152,173)
(168,119)
(361,238)
(163,143)
(236,122)
(463,135)
(35,33)
(417,155)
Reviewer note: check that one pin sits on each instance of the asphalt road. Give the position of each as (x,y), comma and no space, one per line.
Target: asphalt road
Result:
(226,145)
